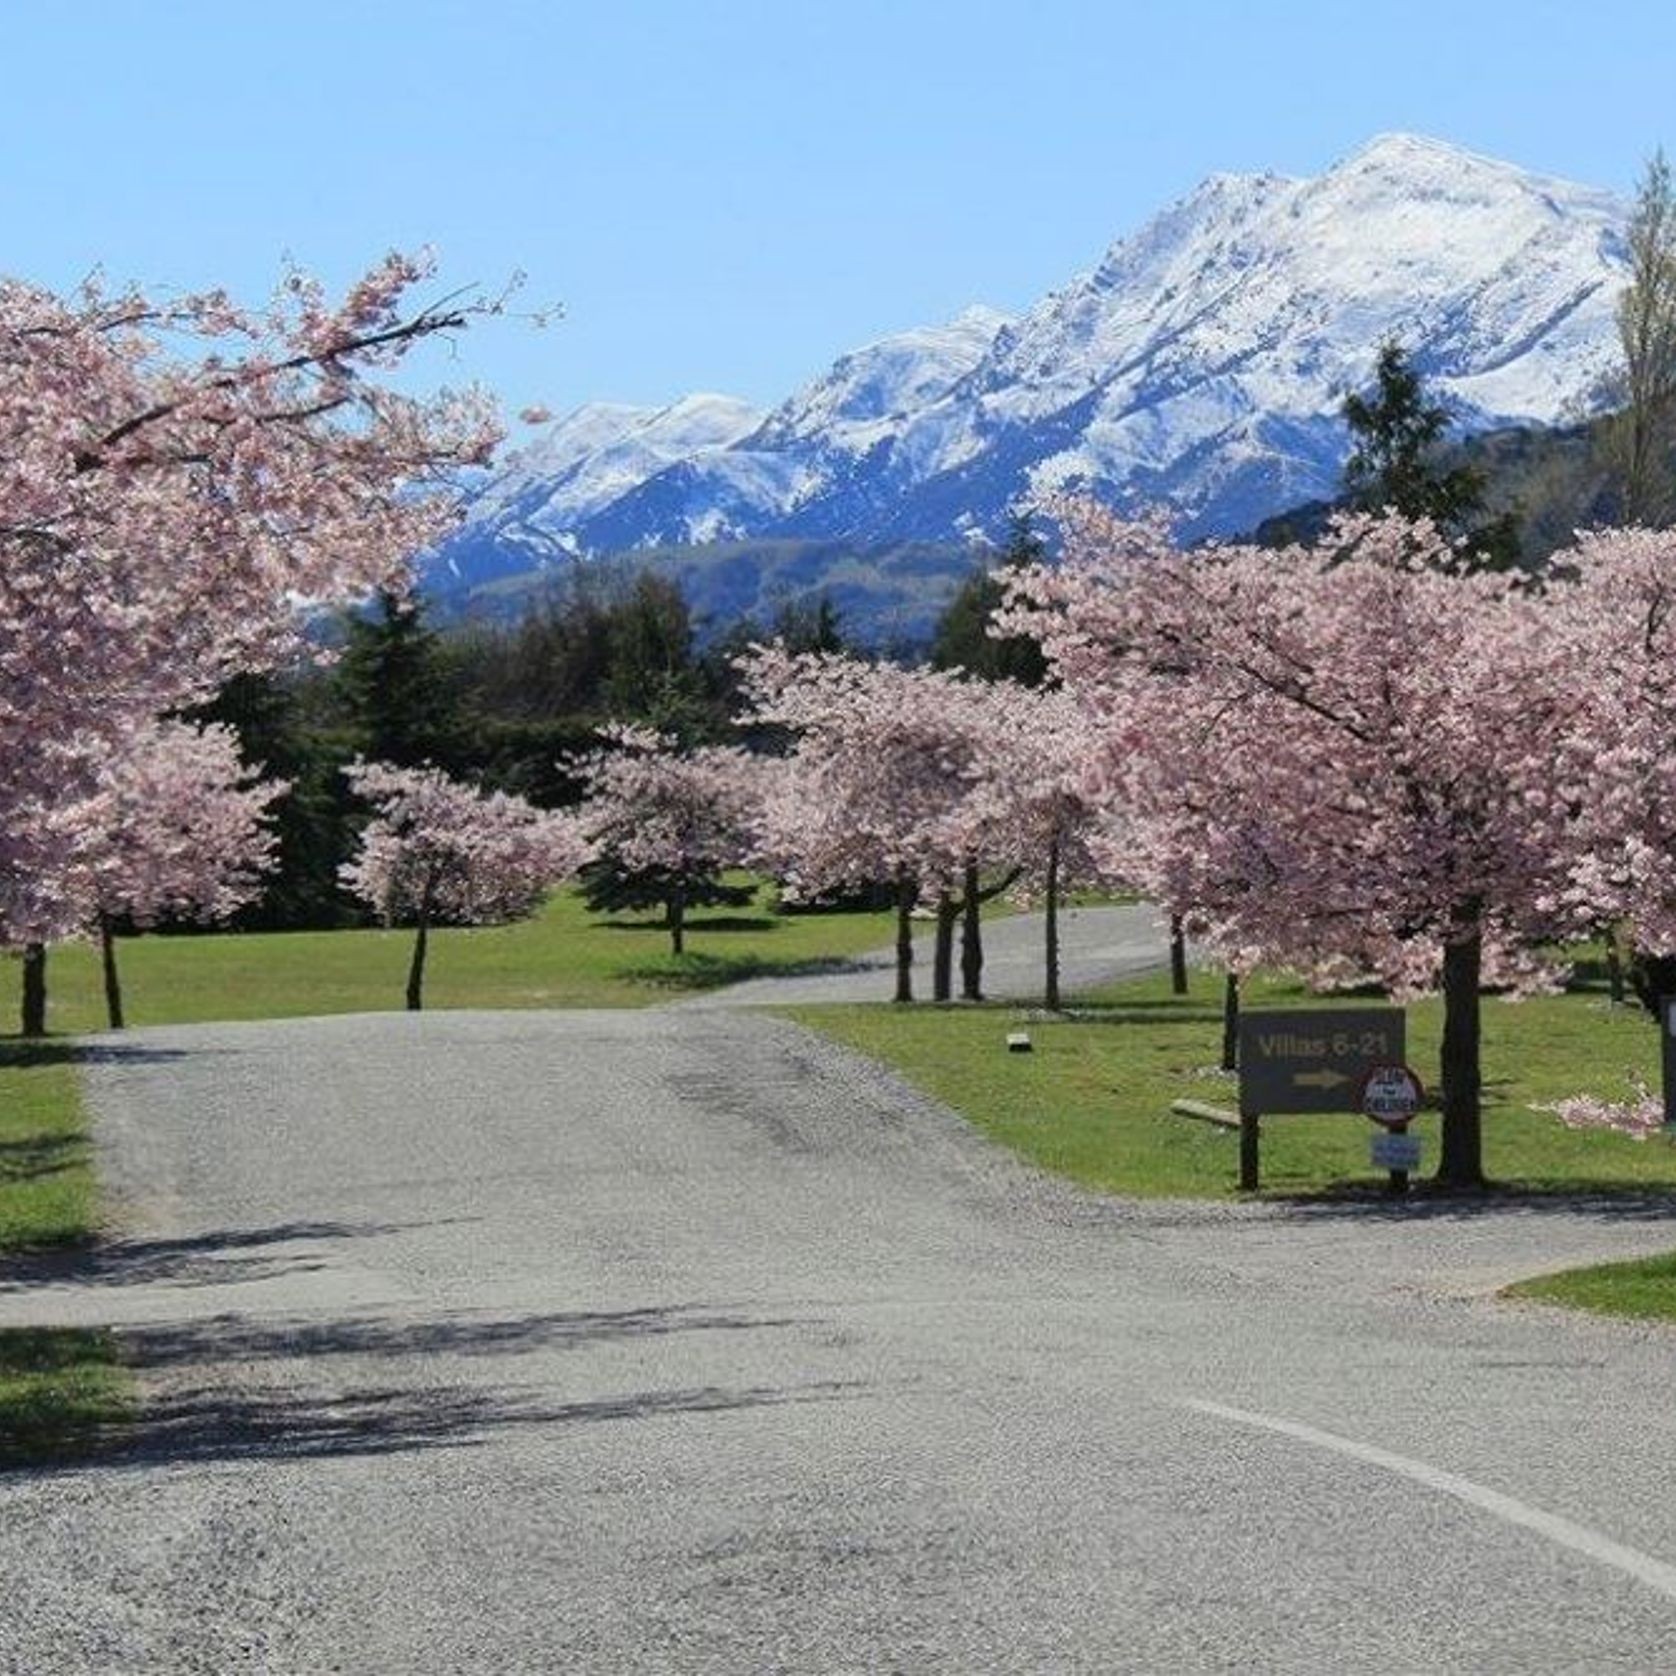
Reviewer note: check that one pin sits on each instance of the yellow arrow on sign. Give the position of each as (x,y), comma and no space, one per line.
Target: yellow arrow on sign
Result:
(1319,1079)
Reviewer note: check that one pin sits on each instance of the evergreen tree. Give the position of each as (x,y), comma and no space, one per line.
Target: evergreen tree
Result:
(809,625)
(1399,463)
(652,675)
(962,639)
(311,820)
(395,686)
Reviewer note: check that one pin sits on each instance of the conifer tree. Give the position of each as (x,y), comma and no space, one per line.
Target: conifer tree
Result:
(1398,463)
(963,639)
(395,686)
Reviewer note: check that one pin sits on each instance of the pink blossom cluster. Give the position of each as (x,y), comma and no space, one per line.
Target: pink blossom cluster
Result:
(440,851)
(650,804)
(175,477)
(177,828)
(915,774)
(1640,1118)
(1340,758)
(173,825)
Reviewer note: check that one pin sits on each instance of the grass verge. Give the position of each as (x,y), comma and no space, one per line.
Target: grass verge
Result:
(1644,1290)
(563,957)
(47,1191)
(59,1388)
(1092,1100)
(62,1389)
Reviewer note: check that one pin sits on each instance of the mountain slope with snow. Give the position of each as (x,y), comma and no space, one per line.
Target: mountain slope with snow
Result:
(1199,367)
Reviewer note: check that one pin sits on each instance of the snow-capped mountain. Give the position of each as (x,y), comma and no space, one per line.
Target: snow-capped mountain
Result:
(580,467)
(1199,367)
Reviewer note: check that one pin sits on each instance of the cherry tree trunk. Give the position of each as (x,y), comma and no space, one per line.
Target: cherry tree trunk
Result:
(416,971)
(1050,998)
(113,982)
(1462,1161)
(1178,956)
(942,969)
(904,936)
(678,918)
(1231,1022)
(1614,968)
(34,1021)
(971,937)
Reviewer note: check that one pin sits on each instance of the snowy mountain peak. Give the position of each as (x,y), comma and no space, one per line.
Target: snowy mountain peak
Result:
(1201,366)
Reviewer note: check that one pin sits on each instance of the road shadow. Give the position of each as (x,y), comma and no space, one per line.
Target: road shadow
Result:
(218,1258)
(1625,1201)
(232,1338)
(212,1426)
(231,1389)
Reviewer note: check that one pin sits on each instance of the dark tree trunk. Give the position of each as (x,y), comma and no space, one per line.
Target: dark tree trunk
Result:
(678,918)
(1231,1022)
(34,1022)
(1653,977)
(1462,1160)
(971,936)
(1050,996)
(1178,956)
(942,969)
(416,971)
(1614,969)
(113,983)
(904,936)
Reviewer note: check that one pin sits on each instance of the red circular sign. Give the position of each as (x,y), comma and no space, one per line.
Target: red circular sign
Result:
(1391,1094)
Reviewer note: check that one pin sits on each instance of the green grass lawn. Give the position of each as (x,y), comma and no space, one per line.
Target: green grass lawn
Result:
(58,1388)
(47,1191)
(1645,1290)
(563,957)
(1092,1101)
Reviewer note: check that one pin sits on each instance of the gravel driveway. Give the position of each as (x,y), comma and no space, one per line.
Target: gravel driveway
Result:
(686,1341)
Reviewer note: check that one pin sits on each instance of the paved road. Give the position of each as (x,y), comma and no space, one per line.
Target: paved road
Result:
(1097,945)
(685,1341)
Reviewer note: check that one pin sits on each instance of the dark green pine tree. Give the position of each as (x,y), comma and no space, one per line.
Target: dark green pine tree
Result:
(395,687)
(962,639)
(1399,463)
(311,821)
(652,674)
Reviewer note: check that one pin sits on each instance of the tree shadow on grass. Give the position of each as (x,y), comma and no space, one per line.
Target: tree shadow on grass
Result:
(41,1155)
(716,971)
(699,926)
(1142,1012)
(73,1050)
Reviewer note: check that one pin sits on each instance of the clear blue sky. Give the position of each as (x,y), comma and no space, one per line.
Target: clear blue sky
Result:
(725,194)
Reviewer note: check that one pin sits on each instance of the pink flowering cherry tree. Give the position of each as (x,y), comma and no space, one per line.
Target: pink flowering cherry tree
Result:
(666,823)
(176,474)
(876,786)
(1616,600)
(439,852)
(1382,753)
(1042,807)
(178,830)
